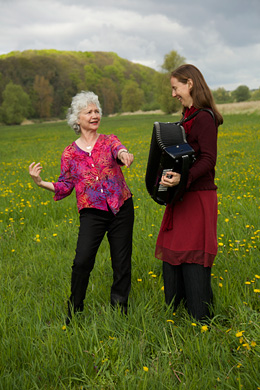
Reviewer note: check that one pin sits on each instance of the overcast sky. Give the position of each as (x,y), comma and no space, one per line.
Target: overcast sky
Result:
(220,37)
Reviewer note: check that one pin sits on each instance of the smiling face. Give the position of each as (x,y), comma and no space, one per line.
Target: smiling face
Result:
(181,91)
(89,118)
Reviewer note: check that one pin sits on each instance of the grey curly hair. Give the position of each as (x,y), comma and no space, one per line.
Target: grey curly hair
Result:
(79,102)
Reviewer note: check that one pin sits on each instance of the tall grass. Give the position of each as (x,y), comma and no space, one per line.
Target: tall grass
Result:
(151,348)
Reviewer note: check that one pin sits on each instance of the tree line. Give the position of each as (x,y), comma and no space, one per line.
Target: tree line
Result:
(39,84)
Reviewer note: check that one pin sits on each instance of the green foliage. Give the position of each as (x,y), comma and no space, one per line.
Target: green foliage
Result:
(132,97)
(222,96)
(255,95)
(171,61)
(241,93)
(16,105)
(59,75)
(43,97)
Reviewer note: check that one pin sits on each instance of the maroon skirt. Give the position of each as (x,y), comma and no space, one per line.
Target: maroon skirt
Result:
(188,233)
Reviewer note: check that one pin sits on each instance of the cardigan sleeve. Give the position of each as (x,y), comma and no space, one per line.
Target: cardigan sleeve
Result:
(203,139)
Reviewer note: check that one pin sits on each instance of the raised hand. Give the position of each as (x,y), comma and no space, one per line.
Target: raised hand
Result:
(34,172)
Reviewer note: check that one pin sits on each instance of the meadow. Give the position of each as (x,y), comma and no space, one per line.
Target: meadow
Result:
(151,348)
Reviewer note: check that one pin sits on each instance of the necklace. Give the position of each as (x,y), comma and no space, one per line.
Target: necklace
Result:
(89,147)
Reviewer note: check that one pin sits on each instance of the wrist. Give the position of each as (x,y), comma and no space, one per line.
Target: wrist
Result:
(121,151)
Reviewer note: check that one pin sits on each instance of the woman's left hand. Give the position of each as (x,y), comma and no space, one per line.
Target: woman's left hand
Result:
(126,158)
(170,179)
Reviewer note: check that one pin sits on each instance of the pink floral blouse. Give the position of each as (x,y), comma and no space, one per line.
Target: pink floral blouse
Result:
(96,176)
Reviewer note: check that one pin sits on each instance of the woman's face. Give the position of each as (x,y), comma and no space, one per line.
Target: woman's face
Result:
(182,91)
(89,118)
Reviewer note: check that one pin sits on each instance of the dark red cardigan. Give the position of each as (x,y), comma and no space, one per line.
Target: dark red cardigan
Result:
(203,139)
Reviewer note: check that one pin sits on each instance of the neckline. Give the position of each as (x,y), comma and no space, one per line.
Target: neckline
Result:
(85,151)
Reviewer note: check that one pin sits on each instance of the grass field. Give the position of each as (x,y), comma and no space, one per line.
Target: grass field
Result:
(153,348)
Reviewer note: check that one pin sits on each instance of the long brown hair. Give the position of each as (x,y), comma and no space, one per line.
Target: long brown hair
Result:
(200,93)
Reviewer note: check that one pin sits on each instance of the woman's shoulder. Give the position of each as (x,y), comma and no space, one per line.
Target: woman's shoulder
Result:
(205,118)
(108,137)
(70,149)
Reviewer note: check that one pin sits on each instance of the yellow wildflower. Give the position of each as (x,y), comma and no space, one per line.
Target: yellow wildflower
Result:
(204,328)
(240,334)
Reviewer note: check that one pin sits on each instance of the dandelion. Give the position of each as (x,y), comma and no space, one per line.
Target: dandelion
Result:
(162,288)
(257,276)
(54,234)
(139,280)
(150,235)
(154,276)
(253,344)
(146,369)
(247,282)
(64,327)
(240,334)
(204,328)
(226,220)
(13,250)
(257,290)
(220,285)
(193,324)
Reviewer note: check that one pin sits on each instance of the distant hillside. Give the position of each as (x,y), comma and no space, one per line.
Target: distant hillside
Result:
(51,78)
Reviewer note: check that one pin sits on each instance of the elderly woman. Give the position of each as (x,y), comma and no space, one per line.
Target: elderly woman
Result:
(91,164)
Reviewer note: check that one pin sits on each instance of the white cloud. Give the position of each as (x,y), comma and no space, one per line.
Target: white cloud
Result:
(221,38)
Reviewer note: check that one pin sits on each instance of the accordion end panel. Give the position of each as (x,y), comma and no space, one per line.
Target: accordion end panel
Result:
(169,150)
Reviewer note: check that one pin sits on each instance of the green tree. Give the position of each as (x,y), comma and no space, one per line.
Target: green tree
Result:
(108,96)
(221,96)
(132,96)
(44,96)
(241,93)
(16,105)
(171,61)
(93,75)
(255,95)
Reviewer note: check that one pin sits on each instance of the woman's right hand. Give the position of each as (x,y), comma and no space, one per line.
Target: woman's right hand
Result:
(170,179)
(34,172)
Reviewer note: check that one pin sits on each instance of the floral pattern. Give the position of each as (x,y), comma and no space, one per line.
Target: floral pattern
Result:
(96,176)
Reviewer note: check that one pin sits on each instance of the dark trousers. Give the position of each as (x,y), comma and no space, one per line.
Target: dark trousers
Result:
(94,224)
(190,283)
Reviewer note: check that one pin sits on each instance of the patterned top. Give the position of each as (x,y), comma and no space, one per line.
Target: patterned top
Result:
(96,176)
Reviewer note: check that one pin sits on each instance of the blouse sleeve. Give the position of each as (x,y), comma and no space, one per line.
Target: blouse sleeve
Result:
(65,184)
(115,145)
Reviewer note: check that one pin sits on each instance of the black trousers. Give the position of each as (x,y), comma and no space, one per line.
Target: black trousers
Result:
(190,283)
(94,224)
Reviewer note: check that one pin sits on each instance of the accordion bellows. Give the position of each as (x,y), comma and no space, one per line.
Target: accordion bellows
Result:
(169,151)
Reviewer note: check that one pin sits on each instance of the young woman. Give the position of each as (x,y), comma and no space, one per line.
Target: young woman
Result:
(91,165)
(187,241)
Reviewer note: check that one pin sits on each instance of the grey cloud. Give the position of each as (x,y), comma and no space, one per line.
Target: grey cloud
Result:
(220,37)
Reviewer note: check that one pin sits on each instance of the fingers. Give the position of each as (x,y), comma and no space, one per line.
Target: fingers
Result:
(170,179)
(34,172)
(127,159)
